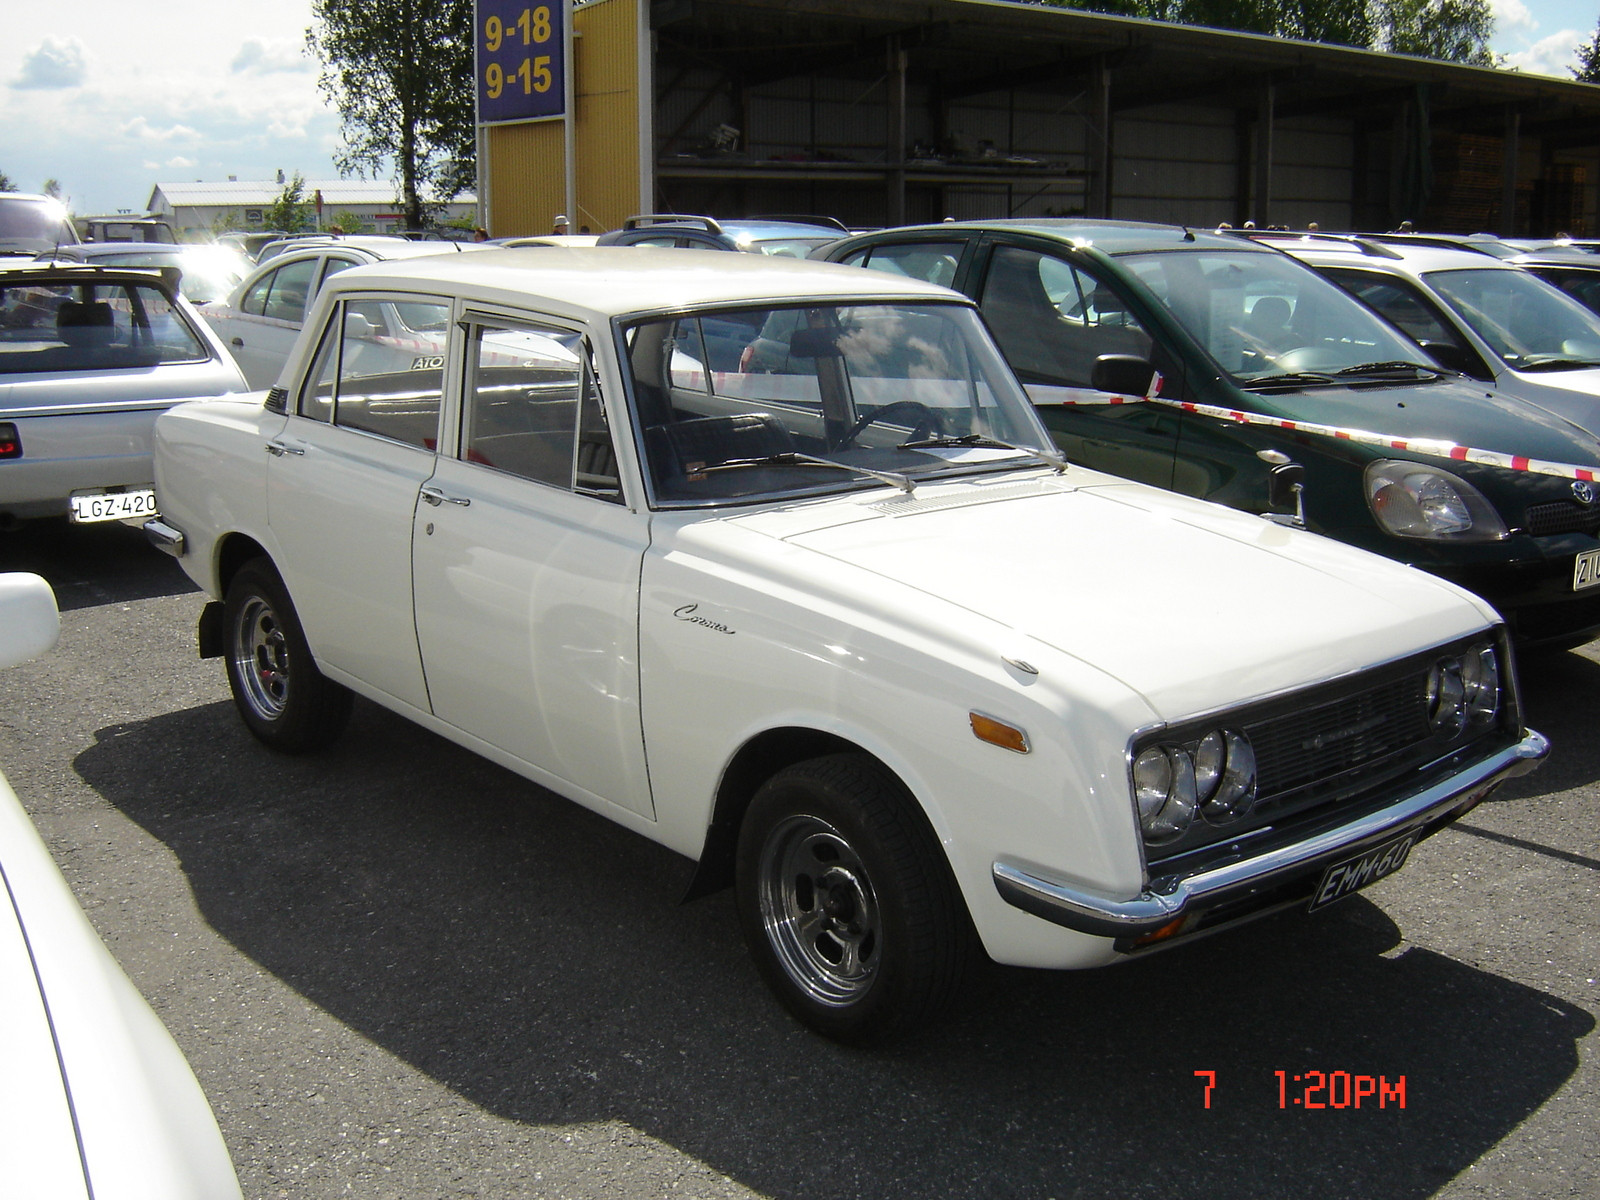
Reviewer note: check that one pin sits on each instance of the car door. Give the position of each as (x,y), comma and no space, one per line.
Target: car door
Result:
(527,567)
(1054,317)
(261,330)
(343,478)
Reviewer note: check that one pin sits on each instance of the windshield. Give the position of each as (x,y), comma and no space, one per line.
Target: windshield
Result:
(1265,316)
(209,272)
(753,403)
(99,326)
(28,226)
(1527,322)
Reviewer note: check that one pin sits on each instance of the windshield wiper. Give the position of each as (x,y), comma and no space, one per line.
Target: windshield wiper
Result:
(1287,379)
(1391,368)
(1054,461)
(1555,362)
(793,458)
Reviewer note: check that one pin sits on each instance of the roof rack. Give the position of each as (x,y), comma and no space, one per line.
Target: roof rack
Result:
(645,220)
(1360,241)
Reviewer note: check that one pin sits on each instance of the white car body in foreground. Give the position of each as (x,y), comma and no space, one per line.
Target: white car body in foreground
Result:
(896,703)
(95,1097)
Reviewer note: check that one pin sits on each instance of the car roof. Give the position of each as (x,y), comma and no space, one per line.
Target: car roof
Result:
(607,281)
(375,247)
(45,271)
(1112,237)
(1399,258)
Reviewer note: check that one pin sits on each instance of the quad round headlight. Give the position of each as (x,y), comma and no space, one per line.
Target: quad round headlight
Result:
(1214,778)
(1464,691)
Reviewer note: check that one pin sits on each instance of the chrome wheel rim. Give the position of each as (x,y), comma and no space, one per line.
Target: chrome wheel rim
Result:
(819,910)
(261,659)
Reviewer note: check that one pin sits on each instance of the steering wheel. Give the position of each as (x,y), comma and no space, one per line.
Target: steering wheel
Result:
(927,421)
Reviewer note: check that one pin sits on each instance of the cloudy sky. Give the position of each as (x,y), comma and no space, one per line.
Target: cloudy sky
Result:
(110,101)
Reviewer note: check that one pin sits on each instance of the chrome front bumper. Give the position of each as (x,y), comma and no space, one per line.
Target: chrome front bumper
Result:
(1238,880)
(165,537)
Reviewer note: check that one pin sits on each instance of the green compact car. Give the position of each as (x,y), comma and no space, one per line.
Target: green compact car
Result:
(1227,370)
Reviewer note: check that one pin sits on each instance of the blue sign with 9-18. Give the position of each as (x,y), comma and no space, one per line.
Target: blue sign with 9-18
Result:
(521,60)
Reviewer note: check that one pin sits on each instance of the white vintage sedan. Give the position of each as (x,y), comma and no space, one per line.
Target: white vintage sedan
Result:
(95,1097)
(772,562)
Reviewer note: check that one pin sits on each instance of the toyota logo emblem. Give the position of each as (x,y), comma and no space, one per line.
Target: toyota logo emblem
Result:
(1584,491)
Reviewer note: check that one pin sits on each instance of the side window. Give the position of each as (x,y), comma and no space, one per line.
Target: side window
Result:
(289,289)
(532,408)
(364,380)
(1053,320)
(255,300)
(933,262)
(1402,304)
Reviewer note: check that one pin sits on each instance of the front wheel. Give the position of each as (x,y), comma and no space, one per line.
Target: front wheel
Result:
(285,701)
(846,902)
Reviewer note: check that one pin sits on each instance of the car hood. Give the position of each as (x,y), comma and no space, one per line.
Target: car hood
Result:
(1538,426)
(1191,605)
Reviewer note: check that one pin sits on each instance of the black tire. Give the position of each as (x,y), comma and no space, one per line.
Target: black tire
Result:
(284,700)
(847,903)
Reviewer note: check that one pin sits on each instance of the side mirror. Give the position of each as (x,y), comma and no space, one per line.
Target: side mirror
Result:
(1124,374)
(1286,487)
(815,343)
(358,326)
(1454,358)
(29,622)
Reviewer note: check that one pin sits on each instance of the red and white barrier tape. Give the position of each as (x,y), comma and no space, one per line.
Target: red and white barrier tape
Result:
(1436,447)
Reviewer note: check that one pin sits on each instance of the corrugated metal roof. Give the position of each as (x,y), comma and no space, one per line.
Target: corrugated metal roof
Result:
(263,192)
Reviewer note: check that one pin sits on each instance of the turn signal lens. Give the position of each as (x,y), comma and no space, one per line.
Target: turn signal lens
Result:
(998,733)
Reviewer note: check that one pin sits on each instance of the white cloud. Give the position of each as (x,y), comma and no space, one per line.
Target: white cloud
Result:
(179,163)
(1513,14)
(1554,55)
(257,57)
(54,65)
(140,129)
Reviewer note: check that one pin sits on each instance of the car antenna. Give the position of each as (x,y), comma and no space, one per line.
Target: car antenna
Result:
(1188,234)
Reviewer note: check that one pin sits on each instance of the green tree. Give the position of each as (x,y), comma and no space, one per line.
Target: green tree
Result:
(1454,30)
(1588,68)
(400,74)
(291,211)
(5,183)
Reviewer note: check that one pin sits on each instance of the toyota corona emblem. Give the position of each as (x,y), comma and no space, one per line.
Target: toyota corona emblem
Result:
(1584,491)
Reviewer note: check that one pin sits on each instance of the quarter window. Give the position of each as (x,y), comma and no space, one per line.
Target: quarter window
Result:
(282,294)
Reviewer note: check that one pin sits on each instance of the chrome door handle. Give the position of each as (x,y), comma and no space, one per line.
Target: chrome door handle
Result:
(279,449)
(435,497)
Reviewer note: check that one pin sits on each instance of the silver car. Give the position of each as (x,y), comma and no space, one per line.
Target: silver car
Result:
(89,357)
(1494,321)
(261,319)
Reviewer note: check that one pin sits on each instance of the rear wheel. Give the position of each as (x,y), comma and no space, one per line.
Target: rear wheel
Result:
(846,902)
(285,701)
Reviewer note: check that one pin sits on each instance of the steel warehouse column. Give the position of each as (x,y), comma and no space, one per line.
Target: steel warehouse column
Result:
(1097,201)
(1507,226)
(1263,156)
(897,132)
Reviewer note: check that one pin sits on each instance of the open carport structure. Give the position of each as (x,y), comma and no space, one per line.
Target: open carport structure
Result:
(886,111)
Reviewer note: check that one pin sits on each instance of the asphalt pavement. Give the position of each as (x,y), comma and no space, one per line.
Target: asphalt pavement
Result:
(400,971)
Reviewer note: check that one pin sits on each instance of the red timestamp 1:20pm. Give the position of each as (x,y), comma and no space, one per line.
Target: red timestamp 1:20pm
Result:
(1328,1089)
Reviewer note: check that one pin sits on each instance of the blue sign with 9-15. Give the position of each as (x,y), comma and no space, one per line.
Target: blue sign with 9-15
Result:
(521,58)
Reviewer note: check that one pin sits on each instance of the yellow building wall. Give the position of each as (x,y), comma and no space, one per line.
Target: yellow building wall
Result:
(524,164)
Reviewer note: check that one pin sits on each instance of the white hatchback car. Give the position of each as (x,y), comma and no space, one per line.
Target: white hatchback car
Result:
(95,1097)
(1498,323)
(261,318)
(843,629)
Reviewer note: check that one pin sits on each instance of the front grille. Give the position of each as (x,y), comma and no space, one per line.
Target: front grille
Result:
(1320,747)
(1563,516)
(1349,745)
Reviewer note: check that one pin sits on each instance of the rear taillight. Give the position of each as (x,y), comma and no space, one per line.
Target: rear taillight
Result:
(10,443)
